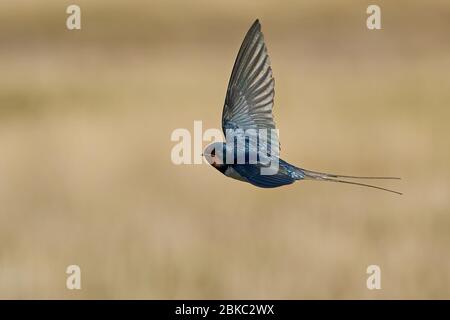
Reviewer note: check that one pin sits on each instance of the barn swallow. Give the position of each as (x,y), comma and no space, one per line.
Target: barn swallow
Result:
(248,106)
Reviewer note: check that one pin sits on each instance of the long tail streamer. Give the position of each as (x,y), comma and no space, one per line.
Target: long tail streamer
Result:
(313,175)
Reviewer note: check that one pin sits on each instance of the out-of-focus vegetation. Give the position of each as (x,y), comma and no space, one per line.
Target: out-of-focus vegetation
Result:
(86,175)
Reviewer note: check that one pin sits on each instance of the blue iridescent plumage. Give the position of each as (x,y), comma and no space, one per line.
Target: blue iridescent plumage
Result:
(247,113)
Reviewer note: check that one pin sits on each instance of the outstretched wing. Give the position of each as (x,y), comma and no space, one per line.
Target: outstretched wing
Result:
(250,93)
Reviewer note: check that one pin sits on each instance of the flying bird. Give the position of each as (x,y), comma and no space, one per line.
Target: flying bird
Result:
(248,106)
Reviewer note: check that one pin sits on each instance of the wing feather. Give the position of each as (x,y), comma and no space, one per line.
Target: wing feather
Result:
(250,93)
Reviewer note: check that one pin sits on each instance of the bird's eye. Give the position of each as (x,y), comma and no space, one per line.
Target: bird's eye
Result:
(213,152)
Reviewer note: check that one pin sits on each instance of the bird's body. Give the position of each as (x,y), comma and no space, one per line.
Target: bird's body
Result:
(246,114)
(251,172)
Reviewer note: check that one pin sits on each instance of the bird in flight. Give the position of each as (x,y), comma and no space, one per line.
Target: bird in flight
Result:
(248,108)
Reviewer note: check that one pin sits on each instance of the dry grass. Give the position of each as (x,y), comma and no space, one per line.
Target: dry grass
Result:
(85,123)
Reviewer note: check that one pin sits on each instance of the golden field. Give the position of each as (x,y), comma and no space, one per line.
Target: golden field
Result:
(87,179)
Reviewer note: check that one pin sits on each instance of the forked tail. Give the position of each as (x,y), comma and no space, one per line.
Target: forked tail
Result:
(313,175)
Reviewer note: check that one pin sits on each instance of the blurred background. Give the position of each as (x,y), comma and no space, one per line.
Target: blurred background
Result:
(87,179)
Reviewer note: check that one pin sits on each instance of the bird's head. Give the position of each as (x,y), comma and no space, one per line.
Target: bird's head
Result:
(215,155)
